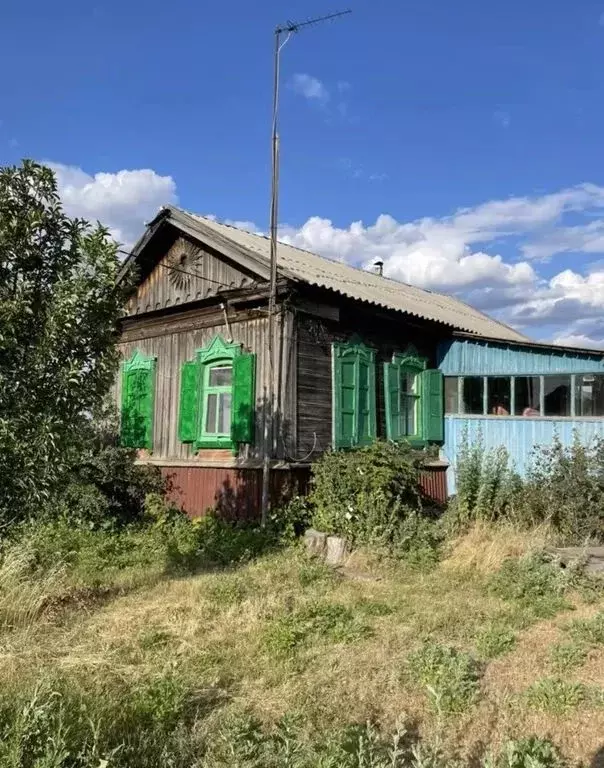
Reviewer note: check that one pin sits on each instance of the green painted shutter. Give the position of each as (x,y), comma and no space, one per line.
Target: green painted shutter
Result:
(392,398)
(137,407)
(244,398)
(432,406)
(366,399)
(189,399)
(345,402)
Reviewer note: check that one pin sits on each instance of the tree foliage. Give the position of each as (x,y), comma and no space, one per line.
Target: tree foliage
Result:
(59,307)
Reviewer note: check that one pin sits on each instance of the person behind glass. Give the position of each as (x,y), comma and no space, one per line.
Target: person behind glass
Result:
(499,409)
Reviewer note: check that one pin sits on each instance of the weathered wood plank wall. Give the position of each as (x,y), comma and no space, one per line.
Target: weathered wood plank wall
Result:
(187,272)
(196,329)
(314,338)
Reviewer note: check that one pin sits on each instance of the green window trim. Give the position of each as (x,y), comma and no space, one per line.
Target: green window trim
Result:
(428,419)
(137,401)
(353,394)
(238,396)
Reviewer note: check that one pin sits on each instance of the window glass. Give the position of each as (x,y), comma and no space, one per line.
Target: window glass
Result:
(409,400)
(224,413)
(527,396)
(472,395)
(556,395)
(499,395)
(220,376)
(451,405)
(211,410)
(589,395)
(218,401)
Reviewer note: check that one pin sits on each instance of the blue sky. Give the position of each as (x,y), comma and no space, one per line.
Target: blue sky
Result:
(393,120)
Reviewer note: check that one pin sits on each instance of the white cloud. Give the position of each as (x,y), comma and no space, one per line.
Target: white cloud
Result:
(490,255)
(122,201)
(310,87)
(578,340)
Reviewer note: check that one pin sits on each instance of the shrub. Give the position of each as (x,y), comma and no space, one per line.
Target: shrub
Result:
(486,483)
(532,581)
(291,520)
(565,487)
(105,486)
(364,494)
(451,677)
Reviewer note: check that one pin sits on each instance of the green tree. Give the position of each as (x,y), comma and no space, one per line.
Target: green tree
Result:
(59,308)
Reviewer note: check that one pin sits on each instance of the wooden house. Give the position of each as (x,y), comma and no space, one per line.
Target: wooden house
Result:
(355,356)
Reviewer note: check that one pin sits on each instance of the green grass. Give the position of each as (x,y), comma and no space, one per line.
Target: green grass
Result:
(567,657)
(451,677)
(556,696)
(495,640)
(143,651)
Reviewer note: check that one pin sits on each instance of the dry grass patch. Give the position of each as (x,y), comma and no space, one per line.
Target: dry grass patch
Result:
(349,661)
(486,546)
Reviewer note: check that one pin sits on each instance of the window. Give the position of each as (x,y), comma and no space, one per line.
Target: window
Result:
(217,400)
(217,397)
(138,401)
(473,395)
(527,396)
(414,400)
(451,394)
(353,394)
(556,395)
(499,393)
(589,395)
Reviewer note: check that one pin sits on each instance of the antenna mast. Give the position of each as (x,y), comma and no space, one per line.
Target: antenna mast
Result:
(289,28)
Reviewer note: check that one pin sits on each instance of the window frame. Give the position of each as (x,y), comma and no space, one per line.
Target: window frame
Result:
(542,377)
(405,363)
(217,354)
(207,390)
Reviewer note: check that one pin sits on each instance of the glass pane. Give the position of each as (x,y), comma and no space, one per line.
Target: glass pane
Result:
(408,382)
(472,390)
(499,394)
(556,395)
(210,427)
(589,395)
(451,405)
(527,396)
(408,412)
(224,413)
(220,376)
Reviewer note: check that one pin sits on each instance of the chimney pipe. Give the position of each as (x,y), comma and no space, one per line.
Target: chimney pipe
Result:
(378,265)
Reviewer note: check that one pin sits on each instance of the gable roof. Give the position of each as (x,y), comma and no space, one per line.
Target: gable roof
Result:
(304,266)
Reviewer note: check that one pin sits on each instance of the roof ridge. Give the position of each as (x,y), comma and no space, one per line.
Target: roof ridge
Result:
(216,220)
(396,294)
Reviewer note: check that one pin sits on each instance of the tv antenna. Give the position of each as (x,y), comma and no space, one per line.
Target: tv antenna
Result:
(288,29)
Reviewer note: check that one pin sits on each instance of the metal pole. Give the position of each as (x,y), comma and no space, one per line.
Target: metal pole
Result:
(272,299)
(270,399)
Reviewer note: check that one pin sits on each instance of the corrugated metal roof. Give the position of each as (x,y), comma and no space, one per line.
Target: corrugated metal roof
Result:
(361,285)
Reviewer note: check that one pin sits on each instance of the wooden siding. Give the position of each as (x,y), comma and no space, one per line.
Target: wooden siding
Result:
(172,349)
(236,493)
(233,493)
(188,272)
(314,337)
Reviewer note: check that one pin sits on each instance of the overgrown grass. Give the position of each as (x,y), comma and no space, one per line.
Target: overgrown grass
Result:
(208,651)
(451,677)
